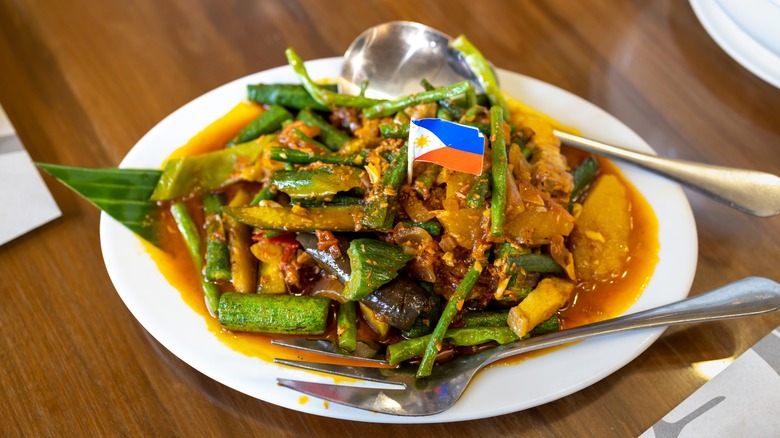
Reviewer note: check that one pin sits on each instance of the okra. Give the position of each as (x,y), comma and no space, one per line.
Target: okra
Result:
(317,183)
(217,255)
(372,264)
(243,265)
(285,314)
(299,156)
(276,217)
(346,326)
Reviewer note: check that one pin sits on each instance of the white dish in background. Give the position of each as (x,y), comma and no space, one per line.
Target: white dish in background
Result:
(758,18)
(733,39)
(160,309)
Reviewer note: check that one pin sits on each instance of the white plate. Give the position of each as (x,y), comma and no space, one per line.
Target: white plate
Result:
(748,52)
(499,390)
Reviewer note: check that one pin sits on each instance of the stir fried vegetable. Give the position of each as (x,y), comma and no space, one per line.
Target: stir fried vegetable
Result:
(308,223)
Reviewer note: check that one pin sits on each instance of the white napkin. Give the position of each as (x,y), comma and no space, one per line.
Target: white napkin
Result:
(25,201)
(742,400)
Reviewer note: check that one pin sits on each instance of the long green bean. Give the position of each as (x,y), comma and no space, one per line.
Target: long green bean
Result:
(320,94)
(452,307)
(379,211)
(483,71)
(287,95)
(191,236)
(498,147)
(390,107)
(331,136)
(268,122)
(476,196)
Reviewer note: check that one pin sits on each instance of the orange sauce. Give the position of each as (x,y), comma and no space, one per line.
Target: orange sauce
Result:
(589,303)
(599,301)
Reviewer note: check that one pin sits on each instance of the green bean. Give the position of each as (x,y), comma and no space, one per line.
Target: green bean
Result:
(217,255)
(483,71)
(266,194)
(476,196)
(191,236)
(332,137)
(429,316)
(337,199)
(498,147)
(390,107)
(320,94)
(453,305)
(583,175)
(487,318)
(424,181)
(288,95)
(394,130)
(299,156)
(268,122)
(346,326)
(483,127)
(243,264)
(446,107)
(431,227)
(379,211)
(535,263)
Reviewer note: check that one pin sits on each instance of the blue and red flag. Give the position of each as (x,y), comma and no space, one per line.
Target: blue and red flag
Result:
(448,144)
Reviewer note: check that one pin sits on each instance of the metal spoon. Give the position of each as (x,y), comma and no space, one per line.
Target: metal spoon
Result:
(394,56)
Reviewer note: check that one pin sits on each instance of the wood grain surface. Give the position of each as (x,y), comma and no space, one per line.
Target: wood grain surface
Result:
(83,81)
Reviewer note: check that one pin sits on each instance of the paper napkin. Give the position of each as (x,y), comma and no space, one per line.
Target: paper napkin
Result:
(742,400)
(25,201)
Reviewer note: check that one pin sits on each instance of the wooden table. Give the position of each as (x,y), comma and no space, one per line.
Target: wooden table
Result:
(83,81)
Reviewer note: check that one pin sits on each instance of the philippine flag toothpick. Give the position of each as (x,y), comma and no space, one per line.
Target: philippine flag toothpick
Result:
(448,144)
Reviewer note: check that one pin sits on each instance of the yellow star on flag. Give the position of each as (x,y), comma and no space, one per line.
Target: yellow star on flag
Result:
(421,141)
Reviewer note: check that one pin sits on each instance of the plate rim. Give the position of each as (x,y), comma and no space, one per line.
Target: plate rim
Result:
(636,342)
(741,47)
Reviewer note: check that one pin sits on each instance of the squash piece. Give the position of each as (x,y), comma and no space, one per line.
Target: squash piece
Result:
(548,296)
(541,221)
(599,240)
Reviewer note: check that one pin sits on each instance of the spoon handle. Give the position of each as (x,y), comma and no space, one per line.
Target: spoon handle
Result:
(746,297)
(752,192)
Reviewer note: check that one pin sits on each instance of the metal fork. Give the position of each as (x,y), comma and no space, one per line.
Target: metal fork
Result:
(411,396)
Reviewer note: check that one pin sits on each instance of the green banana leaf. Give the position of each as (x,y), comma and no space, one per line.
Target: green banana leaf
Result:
(122,193)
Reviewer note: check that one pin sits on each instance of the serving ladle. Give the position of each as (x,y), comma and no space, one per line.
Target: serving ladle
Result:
(394,56)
